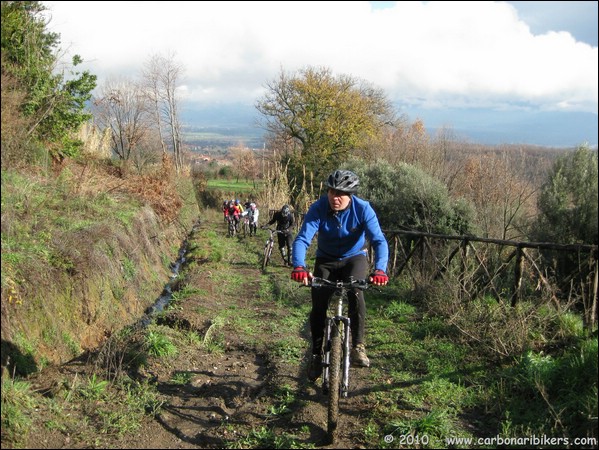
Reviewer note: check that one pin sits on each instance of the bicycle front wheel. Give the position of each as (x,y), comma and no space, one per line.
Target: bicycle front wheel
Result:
(267,253)
(334,380)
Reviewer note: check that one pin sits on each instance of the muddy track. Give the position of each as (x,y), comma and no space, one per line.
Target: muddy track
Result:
(232,396)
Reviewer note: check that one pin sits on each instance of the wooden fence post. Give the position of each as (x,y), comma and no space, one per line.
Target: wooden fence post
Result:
(517,275)
(464,269)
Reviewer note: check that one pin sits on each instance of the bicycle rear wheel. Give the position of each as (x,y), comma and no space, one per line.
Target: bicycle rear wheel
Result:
(334,380)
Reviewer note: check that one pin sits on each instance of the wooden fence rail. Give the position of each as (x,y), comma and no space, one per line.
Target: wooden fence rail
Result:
(482,265)
(482,269)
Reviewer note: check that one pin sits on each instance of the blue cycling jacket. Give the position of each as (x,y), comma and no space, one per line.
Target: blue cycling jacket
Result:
(342,234)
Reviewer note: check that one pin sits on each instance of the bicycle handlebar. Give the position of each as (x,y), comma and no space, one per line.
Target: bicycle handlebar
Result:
(273,231)
(318,282)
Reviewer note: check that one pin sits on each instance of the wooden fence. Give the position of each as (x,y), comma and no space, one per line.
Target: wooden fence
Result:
(502,268)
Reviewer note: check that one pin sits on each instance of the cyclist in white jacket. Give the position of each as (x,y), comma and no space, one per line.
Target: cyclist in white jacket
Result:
(253,213)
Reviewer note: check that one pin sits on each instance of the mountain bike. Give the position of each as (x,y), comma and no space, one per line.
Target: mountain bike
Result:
(245,225)
(336,346)
(231,230)
(268,246)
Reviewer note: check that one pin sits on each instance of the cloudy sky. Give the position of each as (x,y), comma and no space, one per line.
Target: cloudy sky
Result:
(538,56)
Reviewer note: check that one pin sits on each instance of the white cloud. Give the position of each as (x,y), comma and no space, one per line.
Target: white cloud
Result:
(424,53)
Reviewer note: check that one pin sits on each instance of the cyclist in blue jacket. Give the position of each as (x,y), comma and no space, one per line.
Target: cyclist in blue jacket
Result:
(344,223)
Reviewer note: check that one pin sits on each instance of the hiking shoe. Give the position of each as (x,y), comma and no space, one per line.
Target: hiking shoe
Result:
(358,356)
(315,368)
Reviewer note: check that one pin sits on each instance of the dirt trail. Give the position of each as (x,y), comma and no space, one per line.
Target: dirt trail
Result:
(229,398)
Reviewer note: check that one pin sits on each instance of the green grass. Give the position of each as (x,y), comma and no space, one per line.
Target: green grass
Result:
(53,236)
(17,400)
(94,389)
(158,343)
(235,185)
(115,408)
(181,377)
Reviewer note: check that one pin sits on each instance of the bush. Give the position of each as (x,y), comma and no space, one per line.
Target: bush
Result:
(407,198)
(568,200)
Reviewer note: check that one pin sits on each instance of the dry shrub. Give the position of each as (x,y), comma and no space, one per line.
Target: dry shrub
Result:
(157,190)
(493,328)
(159,193)
(121,353)
(16,146)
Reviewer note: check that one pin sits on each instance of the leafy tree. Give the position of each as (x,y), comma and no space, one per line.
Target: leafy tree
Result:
(568,215)
(568,200)
(54,104)
(324,118)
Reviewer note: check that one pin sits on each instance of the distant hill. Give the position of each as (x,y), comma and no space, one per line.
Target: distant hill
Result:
(543,128)
(234,124)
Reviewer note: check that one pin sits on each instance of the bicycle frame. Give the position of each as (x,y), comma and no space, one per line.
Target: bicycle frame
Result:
(270,243)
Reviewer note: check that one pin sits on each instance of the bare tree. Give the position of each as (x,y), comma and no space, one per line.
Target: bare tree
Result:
(245,162)
(147,153)
(504,200)
(122,108)
(161,75)
(151,83)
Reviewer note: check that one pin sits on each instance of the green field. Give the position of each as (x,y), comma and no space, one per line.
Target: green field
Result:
(235,185)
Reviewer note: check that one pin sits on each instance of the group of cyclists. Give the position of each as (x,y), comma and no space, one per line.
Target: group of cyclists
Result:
(234,211)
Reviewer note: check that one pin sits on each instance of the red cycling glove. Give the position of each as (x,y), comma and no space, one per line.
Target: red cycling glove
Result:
(299,274)
(379,277)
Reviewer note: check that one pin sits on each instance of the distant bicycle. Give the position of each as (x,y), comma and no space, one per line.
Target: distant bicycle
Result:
(268,246)
(245,228)
(231,230)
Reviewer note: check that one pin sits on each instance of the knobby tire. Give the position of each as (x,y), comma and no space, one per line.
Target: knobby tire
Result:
(334,381)
(267,253)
